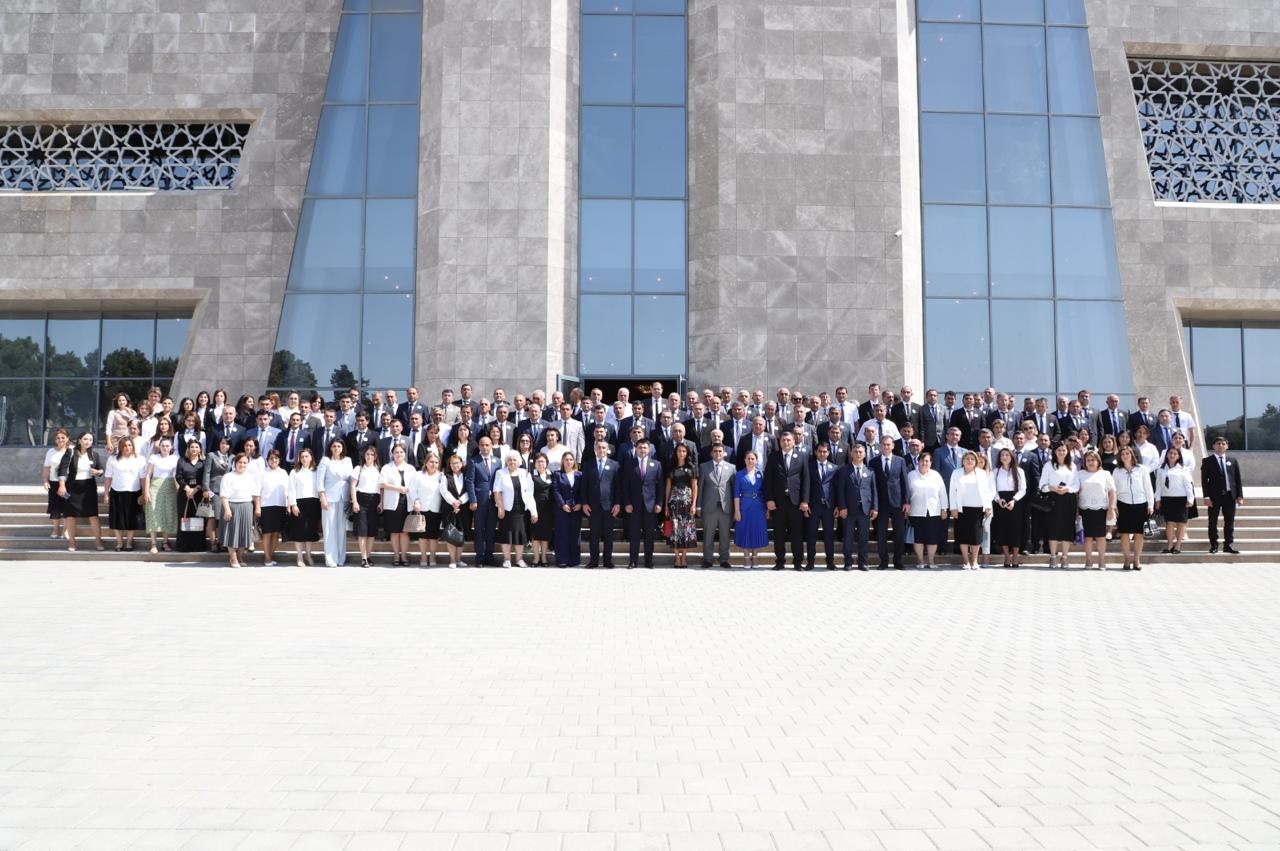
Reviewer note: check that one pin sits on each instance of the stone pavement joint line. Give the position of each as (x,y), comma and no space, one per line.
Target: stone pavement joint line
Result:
(149,706)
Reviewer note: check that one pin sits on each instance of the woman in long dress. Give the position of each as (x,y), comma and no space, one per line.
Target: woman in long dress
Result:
(750,529)
(567,494)
(49,475)
(160,493)
(543,529)
(302,525)
(682,496)
(189,479)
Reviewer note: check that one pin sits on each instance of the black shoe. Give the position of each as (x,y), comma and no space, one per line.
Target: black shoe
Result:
(863,567)
(724,565)
(899,567)
(1230,549)
(706,565)
(592,565)
(847,567)
(1213,548)
(631,565)
(806,567)
(1166,551)
(777,567)
(608,567)
(649,565)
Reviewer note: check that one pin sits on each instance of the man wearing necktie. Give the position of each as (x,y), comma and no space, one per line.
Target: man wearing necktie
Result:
(291,441)
(821,508)
(857,504)
(644,503)
(1223,489)
(479,481)
(715,495)
(787,494)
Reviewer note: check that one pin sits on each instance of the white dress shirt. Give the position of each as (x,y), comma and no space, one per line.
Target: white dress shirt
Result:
(275,488)
(125,473)
(927,493)
(1175,481)
(1052,476)
(425,491)
(1133,486)
(1094,488)
(971,490)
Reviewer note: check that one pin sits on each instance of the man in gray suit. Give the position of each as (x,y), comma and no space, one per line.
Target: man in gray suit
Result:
(571,433)
(715,489)
(856,504)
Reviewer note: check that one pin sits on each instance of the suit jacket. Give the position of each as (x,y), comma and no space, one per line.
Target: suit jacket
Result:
(610,433)
(805,434)
(906,412)
(1157,437)
(846,434)
(838,454)
(357,442)
(468,410)
(644,488)
(1011,420)
(867,410)
(537,431)
(1137,418)
(626,453)
(787,483)
(1214,484)
(480,483)
(71,463)
(891,481)
(822,489)
(318,442)
(969,425)
(452,413)
(304,441)
(602,492)
(699,430)
(266,439)
(653,407)
(408,409)
(563,493)
(943,464)
(624,426)
(726,426)
(747,443)
(572,436)
(1044,423)
(386,444)
(716,490)
(233,432)
(854,492)
(1102,424)
(375,416)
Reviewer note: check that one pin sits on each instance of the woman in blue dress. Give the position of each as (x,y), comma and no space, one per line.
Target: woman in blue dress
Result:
(567,495)
(750,531)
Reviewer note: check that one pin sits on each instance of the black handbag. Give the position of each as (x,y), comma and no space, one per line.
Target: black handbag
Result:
(451,534)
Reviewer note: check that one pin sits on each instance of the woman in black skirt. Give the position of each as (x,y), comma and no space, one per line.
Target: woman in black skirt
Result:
(189,478)
(454,508)
(513,495)
(366,503)
(1175,490)
(424,498)
(78,486)
(1060,478)
(394,481)
(272,506)
(123,486)
(49,474)
(302,525)
(1134,501)
(543,530)
(1009,520)
(970,496)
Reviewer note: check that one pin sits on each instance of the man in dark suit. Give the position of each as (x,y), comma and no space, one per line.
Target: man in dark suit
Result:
(655,403)
(362,437)
(228,427)
(836,443)
(699,430)
(787,492)
(602,479)
(414,404)
(391,441)
(969,420)
(637,418)
(822,505)
(835,418)
(933,421)
(947,457)
(1162,435)
(1142,416)
(479,480)
(292,441)
(905,411)
(891,494)
(534,426)
(1033,461)
(643,504)
(597,420)
(1109,420)
(857,502)
(469,405)
(756,441)
(661,437)
(1005,413)
(1223,490)
(626,451)
(715,498)
(265,433)
(867,409)
(415,437)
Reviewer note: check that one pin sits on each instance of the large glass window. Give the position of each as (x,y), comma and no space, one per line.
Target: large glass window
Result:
(64,371)
(633,194)
(348,310)
(1233,365)
(1021,276)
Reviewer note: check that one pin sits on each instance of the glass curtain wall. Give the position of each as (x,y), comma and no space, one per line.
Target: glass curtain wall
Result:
(349,304)
(633,292)
(64,370)
(1021,278)
(1233,365)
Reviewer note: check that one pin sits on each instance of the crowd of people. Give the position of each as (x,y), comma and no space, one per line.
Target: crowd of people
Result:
(975,473)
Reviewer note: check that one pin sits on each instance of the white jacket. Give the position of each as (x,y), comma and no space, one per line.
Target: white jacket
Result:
(424,492)
(503,485)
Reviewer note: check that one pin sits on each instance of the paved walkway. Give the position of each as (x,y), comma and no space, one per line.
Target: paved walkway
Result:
(144,706)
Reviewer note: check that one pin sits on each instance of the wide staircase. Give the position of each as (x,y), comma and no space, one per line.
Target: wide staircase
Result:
(24,536)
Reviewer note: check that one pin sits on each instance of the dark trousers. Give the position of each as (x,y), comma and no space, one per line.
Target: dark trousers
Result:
(891,515)
(1227,506)
(486,520)
(857,527)
(1039,530)
(600,526)
(820,516)
(788,525)
(643,527)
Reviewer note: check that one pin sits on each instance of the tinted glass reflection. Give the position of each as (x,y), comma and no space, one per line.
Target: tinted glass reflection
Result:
(72,348)
(1071,86)
(1223,411)
(348,70)
(948,10)
(606,150)
(72,405)
(315,339)
(1093,346)
(1216,355)
(604,347)
(20,403)
(611,6)
(388,324)
(660,247)
(1084,248)
(660,65)
(1021,252)
(1065,11)
(950,66)
(1022,344)
(1017,159)
(1014,68)
(393,150)
(659,335)
(327,253)
(1262,406)
(394,54)
(1261,355)
(1015,11)
(955,251)
(606,59)
(605,246)
(171,337)
(675,7)
(951,150)
(337,166)
(21,346)
(956,342)
(1079,168)
(390,236)
(127,347)
(660,153)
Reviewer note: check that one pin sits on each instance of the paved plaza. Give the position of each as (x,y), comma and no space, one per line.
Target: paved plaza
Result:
(150,706)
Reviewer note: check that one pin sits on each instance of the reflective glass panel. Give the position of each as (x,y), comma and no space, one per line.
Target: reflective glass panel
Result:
(675,7)
(72,349)
(1022,343)
(72,405)
(948,10)
(659,334)
(127,347)
(1262,405)
(316,339)
(20,423)
(1015,11)
(604,341)
(660,153)
(393,150)
(606,59)
(393,72)
(171,337)
(1071,86)
(1093,347)
(607,6)
(660,60)
(951,148)
(349,68)
(957,352)
(337,167)
(1216,356)
(605,264)
(659,247)
(135,389)
(950,67)
(1084,248)
(955,251)
(1079,168)
(1261,355)
(1017,159)
(1065,11)
(21,346)
(395,5)
(1014,69)
(606,150)
(1021,253)
(391,231)
(327,253)
(1222,410)
(386,354)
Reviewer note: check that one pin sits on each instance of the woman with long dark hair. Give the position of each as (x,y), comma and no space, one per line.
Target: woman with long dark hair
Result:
(190,482)
(160,494)
(123,488)
(681,497)
(78,486)
(1175,490)
(366,495)
(57,506)
(1060,479)
(1009,519)
(302,525)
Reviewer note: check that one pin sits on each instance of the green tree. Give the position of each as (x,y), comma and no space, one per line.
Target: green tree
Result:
(343,378)
(289,370)
(126,363)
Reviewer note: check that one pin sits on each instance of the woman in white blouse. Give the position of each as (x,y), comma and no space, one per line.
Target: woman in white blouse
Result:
(49,477)
(1097,504)
(334,481)
(1175,490)
(271,506)
(554,450)
(1135,500)
(122,486)
(118,419)
(146,427)
(513,495)
(1059,478)
(927,507)
(160,494)
(302,525)
(970,496)
(394,482)
(239,494)
(366,502)
(424,497)
(1008,517)
(984,546)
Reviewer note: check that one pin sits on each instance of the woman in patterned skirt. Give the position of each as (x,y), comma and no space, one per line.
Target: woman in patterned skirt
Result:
(682,496)
(160,494)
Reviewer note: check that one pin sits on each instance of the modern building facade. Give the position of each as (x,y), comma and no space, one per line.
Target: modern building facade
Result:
(1039,194)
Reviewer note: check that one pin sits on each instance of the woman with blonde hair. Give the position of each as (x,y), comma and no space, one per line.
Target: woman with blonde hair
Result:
(122,487)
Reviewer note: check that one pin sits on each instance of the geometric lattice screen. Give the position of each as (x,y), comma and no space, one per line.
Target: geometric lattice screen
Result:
(118,157)
(1211,130)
